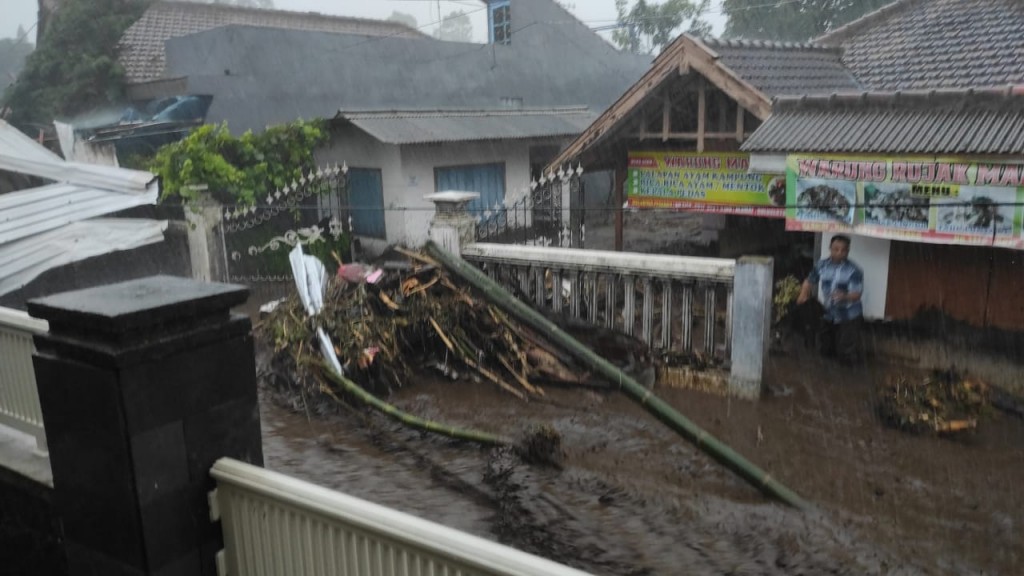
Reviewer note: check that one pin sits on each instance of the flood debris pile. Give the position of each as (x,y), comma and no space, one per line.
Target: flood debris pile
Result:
(390,325)
(944,402)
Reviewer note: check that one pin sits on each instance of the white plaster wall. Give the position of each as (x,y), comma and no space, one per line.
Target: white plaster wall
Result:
(418,163)
(872,255)
(359,150)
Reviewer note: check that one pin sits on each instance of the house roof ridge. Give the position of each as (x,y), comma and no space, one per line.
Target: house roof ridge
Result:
(839,35)
(769,44)
(1010,93)
(464,112)
(217,7)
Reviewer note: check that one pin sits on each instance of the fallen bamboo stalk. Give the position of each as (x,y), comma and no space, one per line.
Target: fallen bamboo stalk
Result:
(406,418)
(656,406)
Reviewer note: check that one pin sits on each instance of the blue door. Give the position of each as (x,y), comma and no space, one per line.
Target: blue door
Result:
(486,179)
(366,197)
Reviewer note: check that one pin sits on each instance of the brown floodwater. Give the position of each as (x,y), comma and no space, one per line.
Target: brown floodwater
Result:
(631,497)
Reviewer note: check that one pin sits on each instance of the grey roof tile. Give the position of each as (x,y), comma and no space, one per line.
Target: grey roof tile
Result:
(783,68)
(939,44)
(142,45)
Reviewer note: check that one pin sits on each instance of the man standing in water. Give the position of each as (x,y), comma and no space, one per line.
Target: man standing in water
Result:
(841,284)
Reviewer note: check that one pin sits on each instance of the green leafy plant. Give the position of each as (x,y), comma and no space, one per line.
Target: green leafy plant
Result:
(242,170)
(74,69)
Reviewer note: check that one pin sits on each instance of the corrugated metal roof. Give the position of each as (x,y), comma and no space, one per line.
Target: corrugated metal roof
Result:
(22,261)
(36,210)
(142,46)
(948,122)
(21,154)
(44,227)
(420,127)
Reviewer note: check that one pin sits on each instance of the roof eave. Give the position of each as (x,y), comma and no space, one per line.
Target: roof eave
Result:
(684,53)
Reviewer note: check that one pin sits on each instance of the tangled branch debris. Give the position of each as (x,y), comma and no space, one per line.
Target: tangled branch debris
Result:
(944,402)
(415,318)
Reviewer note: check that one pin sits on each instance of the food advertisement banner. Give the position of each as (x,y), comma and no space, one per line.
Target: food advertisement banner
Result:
(703,182)
(922,199)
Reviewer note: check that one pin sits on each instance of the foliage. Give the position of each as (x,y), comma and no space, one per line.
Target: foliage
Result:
(786,292)
(403,18)
(648,27)
(74,69)
(239,170)
(791,21)
(13,53)
(455,27)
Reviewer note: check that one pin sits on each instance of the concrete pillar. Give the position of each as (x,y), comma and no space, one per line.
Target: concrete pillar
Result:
(452,226)
(205,240)
(751,324)
(143,385)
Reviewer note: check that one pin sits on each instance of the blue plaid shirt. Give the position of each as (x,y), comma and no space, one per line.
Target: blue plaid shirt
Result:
(845,276)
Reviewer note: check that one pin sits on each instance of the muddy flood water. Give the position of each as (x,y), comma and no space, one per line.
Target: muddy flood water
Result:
(632,498)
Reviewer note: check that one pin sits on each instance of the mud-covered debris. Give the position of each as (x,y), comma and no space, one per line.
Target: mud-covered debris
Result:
(944,402)
(542,444)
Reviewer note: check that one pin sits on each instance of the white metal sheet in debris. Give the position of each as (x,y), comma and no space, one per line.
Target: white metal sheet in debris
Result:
(23,260)
(47,208)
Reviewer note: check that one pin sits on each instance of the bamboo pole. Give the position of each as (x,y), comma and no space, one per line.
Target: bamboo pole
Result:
(406,418)
(656,406)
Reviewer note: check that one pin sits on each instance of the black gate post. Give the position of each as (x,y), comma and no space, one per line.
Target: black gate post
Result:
(143,385)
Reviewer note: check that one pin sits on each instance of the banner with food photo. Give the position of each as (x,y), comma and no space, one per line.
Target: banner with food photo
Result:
(924,199)
(717,182)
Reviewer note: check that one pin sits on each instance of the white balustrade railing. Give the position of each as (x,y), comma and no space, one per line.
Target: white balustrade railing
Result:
(274,524)
(673,303)
(19,397)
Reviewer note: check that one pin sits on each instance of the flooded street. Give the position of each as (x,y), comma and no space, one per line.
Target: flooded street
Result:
(633,498)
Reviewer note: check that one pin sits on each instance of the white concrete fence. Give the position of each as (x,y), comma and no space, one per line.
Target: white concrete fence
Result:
(19,397)
(717,307)
(274,524)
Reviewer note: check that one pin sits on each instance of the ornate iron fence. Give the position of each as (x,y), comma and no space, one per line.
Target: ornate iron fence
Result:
(313,211)
(550,214)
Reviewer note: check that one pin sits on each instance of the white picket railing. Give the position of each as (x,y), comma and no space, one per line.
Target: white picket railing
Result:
(19,397)
(671,295)
(274,524)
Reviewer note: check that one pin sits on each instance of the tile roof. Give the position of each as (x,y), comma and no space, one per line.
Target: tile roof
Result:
(978,122)
(781,68)
(142,45)
(420,127)
(915,44)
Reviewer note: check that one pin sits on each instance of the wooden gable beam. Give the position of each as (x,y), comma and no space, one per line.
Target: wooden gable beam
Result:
(700,60)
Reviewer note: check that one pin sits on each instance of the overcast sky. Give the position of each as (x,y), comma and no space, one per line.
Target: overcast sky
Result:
(594,12)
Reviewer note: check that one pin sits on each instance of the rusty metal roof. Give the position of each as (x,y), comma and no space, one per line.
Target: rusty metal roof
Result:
(977,122)
(142,45)
(429,126)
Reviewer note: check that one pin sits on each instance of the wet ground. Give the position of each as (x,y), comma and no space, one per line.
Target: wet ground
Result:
(633,498)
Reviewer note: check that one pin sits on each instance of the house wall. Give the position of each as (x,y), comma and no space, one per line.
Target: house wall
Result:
(357,149)
(408,176)
(419,162)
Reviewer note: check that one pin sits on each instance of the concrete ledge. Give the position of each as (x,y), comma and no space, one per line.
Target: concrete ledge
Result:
(18,453)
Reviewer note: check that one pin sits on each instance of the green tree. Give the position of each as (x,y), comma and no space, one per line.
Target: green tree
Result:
(13,53)
(74,69)
(403,18)
(455,27)
(647,27)
(791,21)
